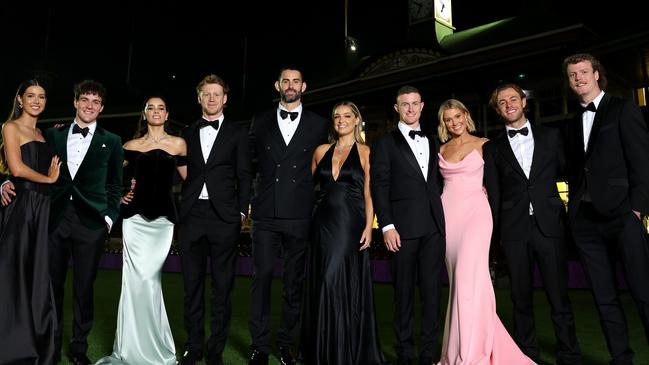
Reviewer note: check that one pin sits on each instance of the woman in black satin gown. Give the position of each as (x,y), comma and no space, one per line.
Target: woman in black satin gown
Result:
(27,317)
(153,159)
(339,325)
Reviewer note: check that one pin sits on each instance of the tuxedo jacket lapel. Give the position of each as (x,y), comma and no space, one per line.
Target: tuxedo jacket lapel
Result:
(403,146)
(506,151)
(194,145)
(539,147)
(597,123)
(224,135)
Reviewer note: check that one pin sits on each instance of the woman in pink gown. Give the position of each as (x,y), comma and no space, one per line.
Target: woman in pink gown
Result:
(473,333)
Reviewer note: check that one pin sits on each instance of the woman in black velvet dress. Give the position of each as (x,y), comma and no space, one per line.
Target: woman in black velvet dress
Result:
(338,324)
(27,317)
(153,159)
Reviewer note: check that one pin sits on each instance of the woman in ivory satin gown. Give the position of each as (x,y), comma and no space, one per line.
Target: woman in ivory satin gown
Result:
(473,333)
(27,317)
(153,158)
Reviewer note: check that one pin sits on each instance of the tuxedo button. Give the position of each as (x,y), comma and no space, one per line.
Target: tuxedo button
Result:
(277,179)
(278,165)
(268,148)
(294,166)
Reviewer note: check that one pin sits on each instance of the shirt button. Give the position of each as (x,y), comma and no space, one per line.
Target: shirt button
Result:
(278,165)
(277,179)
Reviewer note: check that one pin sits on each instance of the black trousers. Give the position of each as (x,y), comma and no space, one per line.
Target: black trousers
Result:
(204,235)
(600,241)
(549,253)
(71,239)
(420,261)
(272,238)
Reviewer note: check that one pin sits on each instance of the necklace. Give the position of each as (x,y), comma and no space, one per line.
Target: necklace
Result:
(156,140)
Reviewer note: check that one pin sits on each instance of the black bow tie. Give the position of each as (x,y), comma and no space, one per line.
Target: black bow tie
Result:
(206,123)
(590,107)
(285,113)
(513,132)
(414,133)
(84,131)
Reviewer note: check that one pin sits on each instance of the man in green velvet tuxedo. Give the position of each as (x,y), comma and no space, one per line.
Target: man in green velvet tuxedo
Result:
(85,204)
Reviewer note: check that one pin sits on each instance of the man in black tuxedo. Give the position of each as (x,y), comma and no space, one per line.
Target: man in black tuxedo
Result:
(215,199)
(608,177)
(522,168)
(284,139)
(406,193)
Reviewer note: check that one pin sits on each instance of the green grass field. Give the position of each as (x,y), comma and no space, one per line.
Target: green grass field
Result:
(107,289)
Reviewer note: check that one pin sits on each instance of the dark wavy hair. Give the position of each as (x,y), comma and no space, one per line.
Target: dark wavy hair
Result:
(16,112)
(142,125)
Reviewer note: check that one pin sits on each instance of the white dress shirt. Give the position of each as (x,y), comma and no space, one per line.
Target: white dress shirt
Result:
(523,147)
(287,126)
(77,147)
(419,147)
(208,137)
(588,118)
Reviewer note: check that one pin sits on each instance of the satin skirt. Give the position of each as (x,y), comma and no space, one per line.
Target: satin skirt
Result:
(143,335)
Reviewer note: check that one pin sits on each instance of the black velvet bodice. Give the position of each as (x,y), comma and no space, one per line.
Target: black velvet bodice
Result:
(155,173)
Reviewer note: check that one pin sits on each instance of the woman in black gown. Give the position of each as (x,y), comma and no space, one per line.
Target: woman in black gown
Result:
(27,317)
(339,325)
(153,159)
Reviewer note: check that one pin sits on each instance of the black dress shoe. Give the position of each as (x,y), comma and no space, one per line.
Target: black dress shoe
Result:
(258,358)
(190,358)
(79,359)
(285,356)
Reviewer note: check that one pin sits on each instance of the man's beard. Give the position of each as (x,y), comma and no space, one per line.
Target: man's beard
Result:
(290,99)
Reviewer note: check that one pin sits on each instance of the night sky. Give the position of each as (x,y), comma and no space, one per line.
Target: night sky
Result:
(167,47)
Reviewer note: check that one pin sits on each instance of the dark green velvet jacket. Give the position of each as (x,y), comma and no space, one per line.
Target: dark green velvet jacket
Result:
(97,187)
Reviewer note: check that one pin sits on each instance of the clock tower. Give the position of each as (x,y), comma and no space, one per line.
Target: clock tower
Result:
(429,20)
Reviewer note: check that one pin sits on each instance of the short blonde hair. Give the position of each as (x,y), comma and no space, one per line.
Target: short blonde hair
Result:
(443,133)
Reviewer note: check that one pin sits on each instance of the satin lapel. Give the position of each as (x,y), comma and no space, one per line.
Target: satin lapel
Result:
(224,135)
(61,147)
(432,159)
(597,123)
(540,143)
(403,146)
(275,136)
(299,133)
(194,144)
(96,144)
(61,141)
(508,154)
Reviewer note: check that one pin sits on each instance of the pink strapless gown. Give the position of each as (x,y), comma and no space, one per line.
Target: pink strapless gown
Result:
(473,333)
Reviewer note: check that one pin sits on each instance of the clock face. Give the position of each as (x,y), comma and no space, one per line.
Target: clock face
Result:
(420,10)
(443,11)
